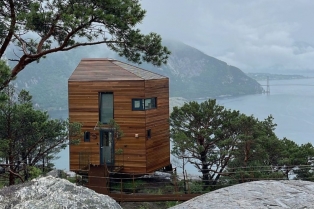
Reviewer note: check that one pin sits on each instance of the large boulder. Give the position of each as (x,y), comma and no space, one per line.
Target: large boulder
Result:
(257,194)
(50,192)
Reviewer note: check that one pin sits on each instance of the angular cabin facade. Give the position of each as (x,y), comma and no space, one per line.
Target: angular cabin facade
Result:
(138,101)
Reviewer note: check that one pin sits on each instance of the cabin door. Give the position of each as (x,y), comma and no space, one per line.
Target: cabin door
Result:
(106,147)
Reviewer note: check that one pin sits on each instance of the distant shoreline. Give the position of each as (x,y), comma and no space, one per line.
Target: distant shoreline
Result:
(270,76)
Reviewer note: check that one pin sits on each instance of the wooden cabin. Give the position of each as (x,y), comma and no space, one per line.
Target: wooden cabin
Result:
(138,101)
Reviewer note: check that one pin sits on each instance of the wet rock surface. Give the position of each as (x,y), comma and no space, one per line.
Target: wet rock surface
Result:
(50,193)
(257,194)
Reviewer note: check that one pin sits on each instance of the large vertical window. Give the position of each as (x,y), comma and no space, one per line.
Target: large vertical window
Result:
(105,107)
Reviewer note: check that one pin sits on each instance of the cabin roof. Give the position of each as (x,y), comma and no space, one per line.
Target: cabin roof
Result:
(100,69)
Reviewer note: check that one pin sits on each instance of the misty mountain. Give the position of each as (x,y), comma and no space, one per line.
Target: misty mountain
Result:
(192,74)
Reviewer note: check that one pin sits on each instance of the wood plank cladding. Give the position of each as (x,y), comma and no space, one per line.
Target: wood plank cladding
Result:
(125,82)
(158,146)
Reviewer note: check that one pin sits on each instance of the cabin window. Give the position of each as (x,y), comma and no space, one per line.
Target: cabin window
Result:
(137,104)
(144,104)
(105,107)
(86,136)
(150,103)
(149,133)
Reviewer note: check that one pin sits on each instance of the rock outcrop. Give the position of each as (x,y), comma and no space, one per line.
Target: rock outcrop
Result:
(176,102)
(257,194)
(52,193)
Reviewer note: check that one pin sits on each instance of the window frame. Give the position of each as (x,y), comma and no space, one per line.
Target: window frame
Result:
(100,106)
(141,107)
(86,136)
(143,101)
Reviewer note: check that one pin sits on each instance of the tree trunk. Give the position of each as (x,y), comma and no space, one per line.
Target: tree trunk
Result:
(24,161)
(214,182)
(205,170)
(11,167)
(184,180)
(43,166)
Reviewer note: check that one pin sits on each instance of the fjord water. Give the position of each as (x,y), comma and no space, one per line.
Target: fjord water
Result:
(290,102)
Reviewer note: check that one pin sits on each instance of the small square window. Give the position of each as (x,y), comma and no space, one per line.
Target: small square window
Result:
(148,103)
(137,104)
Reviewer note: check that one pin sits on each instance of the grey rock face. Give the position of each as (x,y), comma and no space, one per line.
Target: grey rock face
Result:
(257,194)
(53,193)
(176,102)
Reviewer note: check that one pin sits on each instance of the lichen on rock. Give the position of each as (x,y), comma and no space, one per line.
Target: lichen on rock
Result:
(53,193)
(257,194)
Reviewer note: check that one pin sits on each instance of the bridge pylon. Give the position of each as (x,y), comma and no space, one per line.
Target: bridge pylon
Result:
(267,86)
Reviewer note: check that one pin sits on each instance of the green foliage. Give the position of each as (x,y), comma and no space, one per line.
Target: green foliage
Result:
(228,147)
(272,159)
(143,207)
(171,203)
(294,155)
(205,134)
(34,172)
(53,26)
(128,185)
(195,187)
(72,179)
(28,137)
(5,72)
(118,133)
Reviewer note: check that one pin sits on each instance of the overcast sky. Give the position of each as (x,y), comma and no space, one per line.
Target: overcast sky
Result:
(254,35)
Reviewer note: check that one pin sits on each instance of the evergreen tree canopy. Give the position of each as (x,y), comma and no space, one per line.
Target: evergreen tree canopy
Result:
(206,134)
(41,27)
(28,138)
(224,143)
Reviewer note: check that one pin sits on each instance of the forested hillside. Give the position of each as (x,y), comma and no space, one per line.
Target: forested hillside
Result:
(192,74)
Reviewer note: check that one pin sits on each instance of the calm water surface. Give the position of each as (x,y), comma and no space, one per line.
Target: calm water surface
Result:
(290,102)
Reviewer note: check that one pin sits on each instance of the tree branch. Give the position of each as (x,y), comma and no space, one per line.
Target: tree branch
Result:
(42,41)
(89,44)
(11,30)
(22,43)
(16,174)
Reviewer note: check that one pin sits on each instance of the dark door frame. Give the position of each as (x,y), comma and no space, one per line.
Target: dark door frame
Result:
(102,145)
